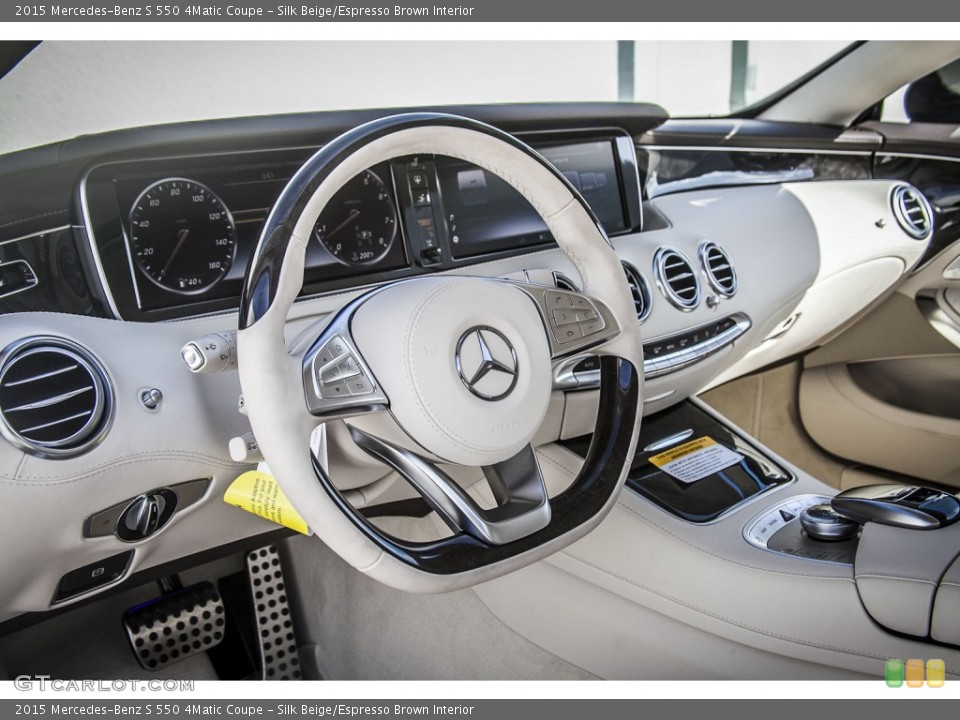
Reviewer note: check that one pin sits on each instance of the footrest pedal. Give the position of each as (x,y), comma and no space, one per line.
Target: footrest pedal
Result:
(278,641)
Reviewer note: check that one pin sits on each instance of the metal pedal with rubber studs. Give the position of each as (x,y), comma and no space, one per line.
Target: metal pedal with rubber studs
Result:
(175,626)
(278,642)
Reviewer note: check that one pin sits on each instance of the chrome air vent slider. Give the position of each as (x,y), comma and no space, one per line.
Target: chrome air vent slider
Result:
(55,400)
(676,278)
(912,211)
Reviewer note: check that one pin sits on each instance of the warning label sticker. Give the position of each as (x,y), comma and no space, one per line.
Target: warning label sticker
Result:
(258,493)
(696,459)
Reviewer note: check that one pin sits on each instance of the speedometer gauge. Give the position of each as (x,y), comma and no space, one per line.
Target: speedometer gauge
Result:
(182,236)
(359,223)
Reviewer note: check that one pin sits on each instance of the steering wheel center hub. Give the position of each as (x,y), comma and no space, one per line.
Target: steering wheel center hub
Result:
(464,362)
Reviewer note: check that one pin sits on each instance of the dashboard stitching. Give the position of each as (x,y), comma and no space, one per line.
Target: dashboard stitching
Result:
(892,576)
(18,221)
(726,619)
(19,479)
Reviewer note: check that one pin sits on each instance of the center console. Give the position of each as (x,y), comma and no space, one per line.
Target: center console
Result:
(699,482)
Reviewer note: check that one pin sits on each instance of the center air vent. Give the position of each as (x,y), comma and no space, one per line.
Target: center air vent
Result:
(639,291)
(718,268)
(54,398)
(677,278)
(912,211)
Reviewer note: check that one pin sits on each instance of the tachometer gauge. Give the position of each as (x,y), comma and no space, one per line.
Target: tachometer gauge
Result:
(182,236)
(359,223)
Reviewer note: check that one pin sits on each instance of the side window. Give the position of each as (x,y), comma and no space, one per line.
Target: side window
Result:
(934,98)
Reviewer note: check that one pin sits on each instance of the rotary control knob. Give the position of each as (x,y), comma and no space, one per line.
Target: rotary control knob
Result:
(822,522)
(146,514)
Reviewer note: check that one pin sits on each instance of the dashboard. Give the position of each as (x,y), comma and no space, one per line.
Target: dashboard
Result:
(128,246)
(172,236)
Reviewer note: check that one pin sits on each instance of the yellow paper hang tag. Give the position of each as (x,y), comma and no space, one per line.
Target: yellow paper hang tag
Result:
(258,493)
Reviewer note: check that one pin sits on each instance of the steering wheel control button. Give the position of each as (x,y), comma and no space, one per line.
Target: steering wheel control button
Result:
(359,385)
(335,390)
(564,317)
(92,576)
(568,333)
(557,300)
(487,363)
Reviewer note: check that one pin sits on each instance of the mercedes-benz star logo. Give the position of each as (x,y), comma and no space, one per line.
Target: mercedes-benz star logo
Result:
(487,363)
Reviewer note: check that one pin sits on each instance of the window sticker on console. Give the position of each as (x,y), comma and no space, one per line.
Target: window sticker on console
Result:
(696,459)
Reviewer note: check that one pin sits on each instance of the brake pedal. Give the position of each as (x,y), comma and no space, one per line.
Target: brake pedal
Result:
(173,627)
(278,642)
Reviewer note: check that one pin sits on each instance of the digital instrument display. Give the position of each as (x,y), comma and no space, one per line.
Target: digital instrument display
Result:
(485,214)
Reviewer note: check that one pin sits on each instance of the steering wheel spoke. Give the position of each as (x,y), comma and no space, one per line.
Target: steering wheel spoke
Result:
(523,507)
(337,381)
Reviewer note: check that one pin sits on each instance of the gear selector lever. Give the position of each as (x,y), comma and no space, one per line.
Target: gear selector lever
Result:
(907,506)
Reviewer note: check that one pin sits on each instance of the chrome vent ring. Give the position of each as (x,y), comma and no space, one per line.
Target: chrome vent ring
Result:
(912,211)
(677,278)
(55,399)
(639,291)
(719,269)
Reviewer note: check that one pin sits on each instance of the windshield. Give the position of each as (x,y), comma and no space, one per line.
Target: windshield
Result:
(65,89)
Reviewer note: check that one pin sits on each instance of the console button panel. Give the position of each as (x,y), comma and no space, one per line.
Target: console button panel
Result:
(778,529)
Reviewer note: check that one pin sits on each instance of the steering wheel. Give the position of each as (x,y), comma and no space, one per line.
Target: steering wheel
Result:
(452,369)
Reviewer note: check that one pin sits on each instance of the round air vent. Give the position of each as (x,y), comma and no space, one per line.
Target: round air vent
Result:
(912,211)
(639,291)
(54,397)
(677,278)
(718,268)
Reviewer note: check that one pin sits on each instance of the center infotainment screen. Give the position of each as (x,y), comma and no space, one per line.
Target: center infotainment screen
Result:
(485,214)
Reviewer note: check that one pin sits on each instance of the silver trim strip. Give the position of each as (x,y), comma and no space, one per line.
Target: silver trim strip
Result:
(57,422)
(917,156)
(87,228)
(805,151)
(51,401)
(564,377)
(42,376)
(59,228)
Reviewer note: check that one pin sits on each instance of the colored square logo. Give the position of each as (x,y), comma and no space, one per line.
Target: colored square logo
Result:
(914,673)
(893,672)
(936,673)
